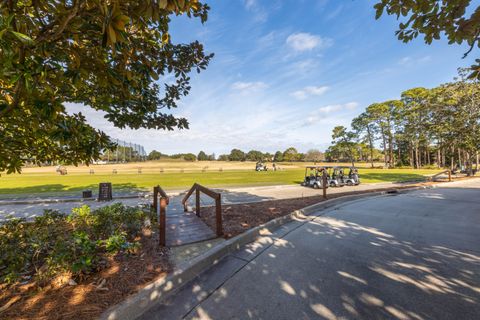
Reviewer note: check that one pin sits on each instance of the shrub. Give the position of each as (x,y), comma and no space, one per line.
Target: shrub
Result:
(76,243)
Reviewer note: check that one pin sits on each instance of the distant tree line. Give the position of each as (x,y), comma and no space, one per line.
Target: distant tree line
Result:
(426,127)
(156,155)
(289,155)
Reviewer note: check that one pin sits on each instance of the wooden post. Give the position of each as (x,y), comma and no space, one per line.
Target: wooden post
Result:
(197,196)
(214,195)
(155,198)
(218,213)
(449,175)
(162,221)
(324,184)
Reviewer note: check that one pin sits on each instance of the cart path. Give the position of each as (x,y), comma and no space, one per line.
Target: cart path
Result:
(229,196)
(407,256)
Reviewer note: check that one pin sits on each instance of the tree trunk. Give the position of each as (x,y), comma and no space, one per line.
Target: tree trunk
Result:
(428,155)
(371,144)
(439,157)
(452,158)
(417,156)
(412,161)
(384,148)
(459,157)
(444,158)
(469,164)
(390,149)
(476,163)
(400,155)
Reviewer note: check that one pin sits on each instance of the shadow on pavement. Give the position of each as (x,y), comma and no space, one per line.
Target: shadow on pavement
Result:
(409,256)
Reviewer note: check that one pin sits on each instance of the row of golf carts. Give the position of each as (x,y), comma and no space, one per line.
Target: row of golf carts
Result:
(336,176)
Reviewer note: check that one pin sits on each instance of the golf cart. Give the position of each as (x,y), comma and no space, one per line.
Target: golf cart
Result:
(260,166)
(335,176)
(353,179)
(61,170)
(313,177)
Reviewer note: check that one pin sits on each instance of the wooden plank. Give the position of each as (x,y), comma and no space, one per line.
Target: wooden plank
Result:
(185,199)
(218,216)
(162,192)
(162,223)
(155,197)
(324,184)
(208,192)
(187,227)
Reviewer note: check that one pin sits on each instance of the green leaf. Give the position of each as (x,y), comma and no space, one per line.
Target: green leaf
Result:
(22,37)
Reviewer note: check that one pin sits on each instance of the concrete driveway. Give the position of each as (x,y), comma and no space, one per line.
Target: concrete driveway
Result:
(407,256)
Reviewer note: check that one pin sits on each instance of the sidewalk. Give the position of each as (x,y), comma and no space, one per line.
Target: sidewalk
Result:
(49,198)
(30,208)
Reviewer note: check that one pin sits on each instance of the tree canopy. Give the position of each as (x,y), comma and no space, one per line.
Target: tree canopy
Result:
(458,20)
(426,126)
(202,156)
(236,155)
(107,54)
(255,155)
(343,143)
(314,155)
(291,154)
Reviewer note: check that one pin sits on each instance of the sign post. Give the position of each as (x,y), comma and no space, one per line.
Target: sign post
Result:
(324,184)
(105,191)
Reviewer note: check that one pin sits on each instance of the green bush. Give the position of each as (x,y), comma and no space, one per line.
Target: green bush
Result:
(77,242)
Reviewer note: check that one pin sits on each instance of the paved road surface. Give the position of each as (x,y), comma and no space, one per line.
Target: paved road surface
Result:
(230,195)
(408,256)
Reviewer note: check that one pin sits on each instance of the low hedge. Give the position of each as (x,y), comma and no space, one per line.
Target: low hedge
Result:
(78,243)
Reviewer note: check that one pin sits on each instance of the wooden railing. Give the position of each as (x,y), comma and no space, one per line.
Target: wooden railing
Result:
(212,194)
(449,172)
(161,210)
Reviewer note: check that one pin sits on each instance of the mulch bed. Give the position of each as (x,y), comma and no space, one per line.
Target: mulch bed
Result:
(238,218)
(122,276)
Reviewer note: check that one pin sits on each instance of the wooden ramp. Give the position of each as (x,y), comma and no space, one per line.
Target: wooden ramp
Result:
(178,227)
(186,227)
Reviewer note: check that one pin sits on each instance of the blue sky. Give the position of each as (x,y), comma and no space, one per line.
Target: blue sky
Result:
(285,72)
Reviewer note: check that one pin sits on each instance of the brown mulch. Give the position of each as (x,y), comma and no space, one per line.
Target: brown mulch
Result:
(123,275)
(237,218)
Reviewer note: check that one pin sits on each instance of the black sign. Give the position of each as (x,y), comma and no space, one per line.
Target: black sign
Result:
(105,191)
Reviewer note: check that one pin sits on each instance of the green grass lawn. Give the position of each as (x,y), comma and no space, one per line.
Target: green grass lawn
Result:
(51,183)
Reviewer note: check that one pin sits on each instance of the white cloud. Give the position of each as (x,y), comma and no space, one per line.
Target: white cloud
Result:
(259,12)
(250,3)
(411,61)
(309,91)
(320,114)
(405,60)
(302,41)
(301,69)
(249,86)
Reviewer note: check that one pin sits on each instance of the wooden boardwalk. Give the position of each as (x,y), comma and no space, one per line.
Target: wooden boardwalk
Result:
(185,227)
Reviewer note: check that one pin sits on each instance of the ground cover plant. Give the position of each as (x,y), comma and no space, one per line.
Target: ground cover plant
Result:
(59,264)
(75,243)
